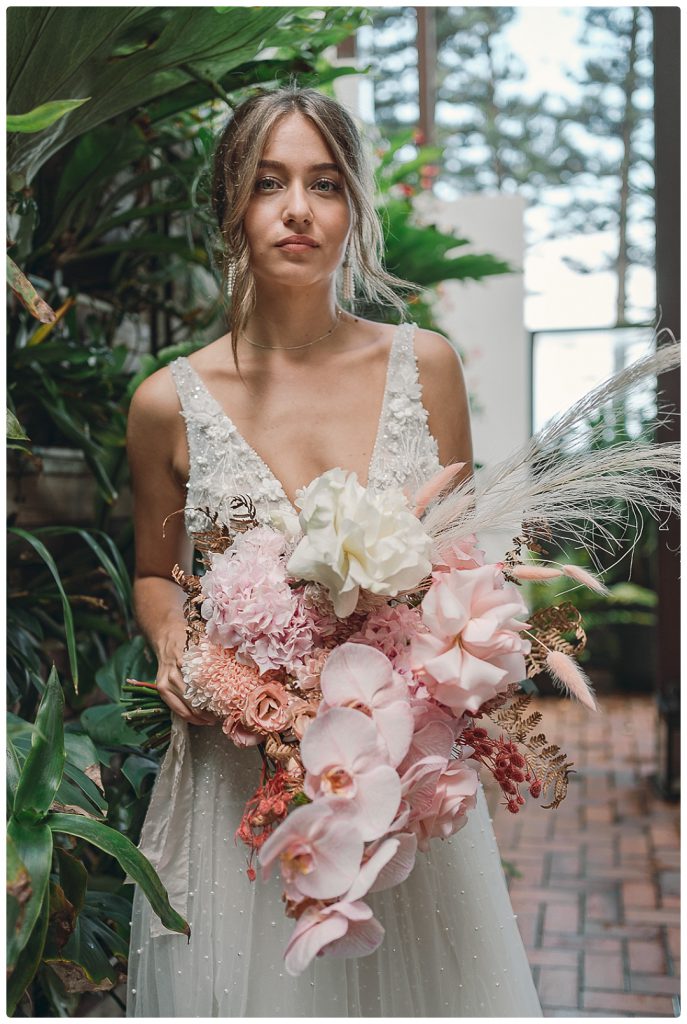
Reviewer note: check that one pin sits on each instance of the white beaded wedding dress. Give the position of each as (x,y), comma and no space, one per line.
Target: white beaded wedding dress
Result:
(451,947)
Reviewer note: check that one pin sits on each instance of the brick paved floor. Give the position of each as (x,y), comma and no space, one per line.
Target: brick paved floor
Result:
(597,895)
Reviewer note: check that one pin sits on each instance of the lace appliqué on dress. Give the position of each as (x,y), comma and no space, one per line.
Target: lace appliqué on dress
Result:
(223,464)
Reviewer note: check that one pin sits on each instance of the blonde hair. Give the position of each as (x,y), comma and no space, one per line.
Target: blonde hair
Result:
(235,166)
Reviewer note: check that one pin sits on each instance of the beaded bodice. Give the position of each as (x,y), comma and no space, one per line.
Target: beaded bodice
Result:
(223,464)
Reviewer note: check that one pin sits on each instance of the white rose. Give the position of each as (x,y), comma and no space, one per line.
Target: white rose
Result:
(355,538)
(286,522)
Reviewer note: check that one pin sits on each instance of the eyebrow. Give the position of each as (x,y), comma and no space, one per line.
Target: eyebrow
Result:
(313,167)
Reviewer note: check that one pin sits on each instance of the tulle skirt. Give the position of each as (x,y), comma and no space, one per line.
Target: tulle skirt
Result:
(451,947)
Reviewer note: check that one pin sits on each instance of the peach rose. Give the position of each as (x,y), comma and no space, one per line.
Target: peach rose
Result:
(266,708)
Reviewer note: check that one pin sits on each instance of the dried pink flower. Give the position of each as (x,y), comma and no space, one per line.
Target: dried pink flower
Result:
(214,679)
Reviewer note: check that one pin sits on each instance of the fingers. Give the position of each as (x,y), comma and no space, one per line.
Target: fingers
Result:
(171,688)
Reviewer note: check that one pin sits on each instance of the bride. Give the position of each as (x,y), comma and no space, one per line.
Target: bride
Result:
(297,387)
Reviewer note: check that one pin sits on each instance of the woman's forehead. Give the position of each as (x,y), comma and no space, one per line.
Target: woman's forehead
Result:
(295,139)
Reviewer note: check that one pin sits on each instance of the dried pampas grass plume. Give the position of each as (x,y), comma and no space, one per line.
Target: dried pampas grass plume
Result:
(559,480)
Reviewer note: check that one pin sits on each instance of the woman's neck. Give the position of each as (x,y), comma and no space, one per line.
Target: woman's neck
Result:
(286,319)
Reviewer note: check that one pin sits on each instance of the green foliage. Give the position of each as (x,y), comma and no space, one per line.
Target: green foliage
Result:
(42,117)
(42,915)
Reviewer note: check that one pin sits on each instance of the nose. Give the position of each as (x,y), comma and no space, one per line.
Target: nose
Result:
(296,205)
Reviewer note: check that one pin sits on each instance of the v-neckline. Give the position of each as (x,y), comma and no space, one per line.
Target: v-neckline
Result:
(255,454)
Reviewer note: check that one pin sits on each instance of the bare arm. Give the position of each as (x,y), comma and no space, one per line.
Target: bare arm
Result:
(153,428)
(445,398)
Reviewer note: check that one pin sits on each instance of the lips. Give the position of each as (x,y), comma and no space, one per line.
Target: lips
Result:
(298,240)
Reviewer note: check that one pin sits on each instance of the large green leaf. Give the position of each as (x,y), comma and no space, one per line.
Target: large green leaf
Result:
(136,769)
(82,765)
(29,959)
(18,892)
(130,661)
(14,430)
(106,727)
(154,51)
(83,962)
(33,846)
(130,859)
(12,772)
(110,559)
(70,638)
(42,117)
(43,768)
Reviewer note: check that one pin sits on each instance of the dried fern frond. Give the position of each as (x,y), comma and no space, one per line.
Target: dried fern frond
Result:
(545,760)
(548,628)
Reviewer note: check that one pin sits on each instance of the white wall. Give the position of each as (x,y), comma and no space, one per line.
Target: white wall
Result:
(485,319)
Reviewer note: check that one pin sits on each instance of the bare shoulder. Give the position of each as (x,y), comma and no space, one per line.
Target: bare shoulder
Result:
(154,423)
(436,356)
(444,395)
(155,399)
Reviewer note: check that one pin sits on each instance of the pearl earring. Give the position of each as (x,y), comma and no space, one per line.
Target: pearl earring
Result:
(348,277)
(231,275)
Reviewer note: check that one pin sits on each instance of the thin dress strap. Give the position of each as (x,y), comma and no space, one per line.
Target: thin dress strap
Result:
(408,453)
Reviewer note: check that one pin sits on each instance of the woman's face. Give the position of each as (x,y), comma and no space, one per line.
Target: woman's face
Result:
(293,196)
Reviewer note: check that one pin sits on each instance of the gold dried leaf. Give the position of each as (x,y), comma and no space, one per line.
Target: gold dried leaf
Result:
(551,627)
(195,624)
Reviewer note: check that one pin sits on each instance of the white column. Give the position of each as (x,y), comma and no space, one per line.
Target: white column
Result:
(485,320)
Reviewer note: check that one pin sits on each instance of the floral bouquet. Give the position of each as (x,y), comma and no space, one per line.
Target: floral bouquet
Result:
(364,644)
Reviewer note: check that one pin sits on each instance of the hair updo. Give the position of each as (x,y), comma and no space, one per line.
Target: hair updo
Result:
(235,166)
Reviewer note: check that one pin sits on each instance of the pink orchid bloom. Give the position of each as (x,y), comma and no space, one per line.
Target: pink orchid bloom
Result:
(341,929)
(341,754)
(456,794)
(419,783)
(387,863)
(319,848)
(360,677)
(436,738)
(473,649)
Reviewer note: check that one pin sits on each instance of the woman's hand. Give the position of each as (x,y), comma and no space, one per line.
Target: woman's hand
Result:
(170,682)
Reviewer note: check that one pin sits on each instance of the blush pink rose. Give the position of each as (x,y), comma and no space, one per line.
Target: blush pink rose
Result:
(463,554)
(456,794)
(237,732)
(266,708)
(473,648)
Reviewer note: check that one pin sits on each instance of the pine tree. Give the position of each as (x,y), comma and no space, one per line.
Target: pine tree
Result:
(615,125)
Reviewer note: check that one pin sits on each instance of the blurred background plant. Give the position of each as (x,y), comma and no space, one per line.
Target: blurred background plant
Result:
(112,272)
(621,628)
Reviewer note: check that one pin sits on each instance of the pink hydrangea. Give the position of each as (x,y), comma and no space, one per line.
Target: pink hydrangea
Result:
(249,605)
(390,630)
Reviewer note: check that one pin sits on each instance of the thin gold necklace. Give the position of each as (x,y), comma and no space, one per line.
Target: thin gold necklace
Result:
(290,348)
